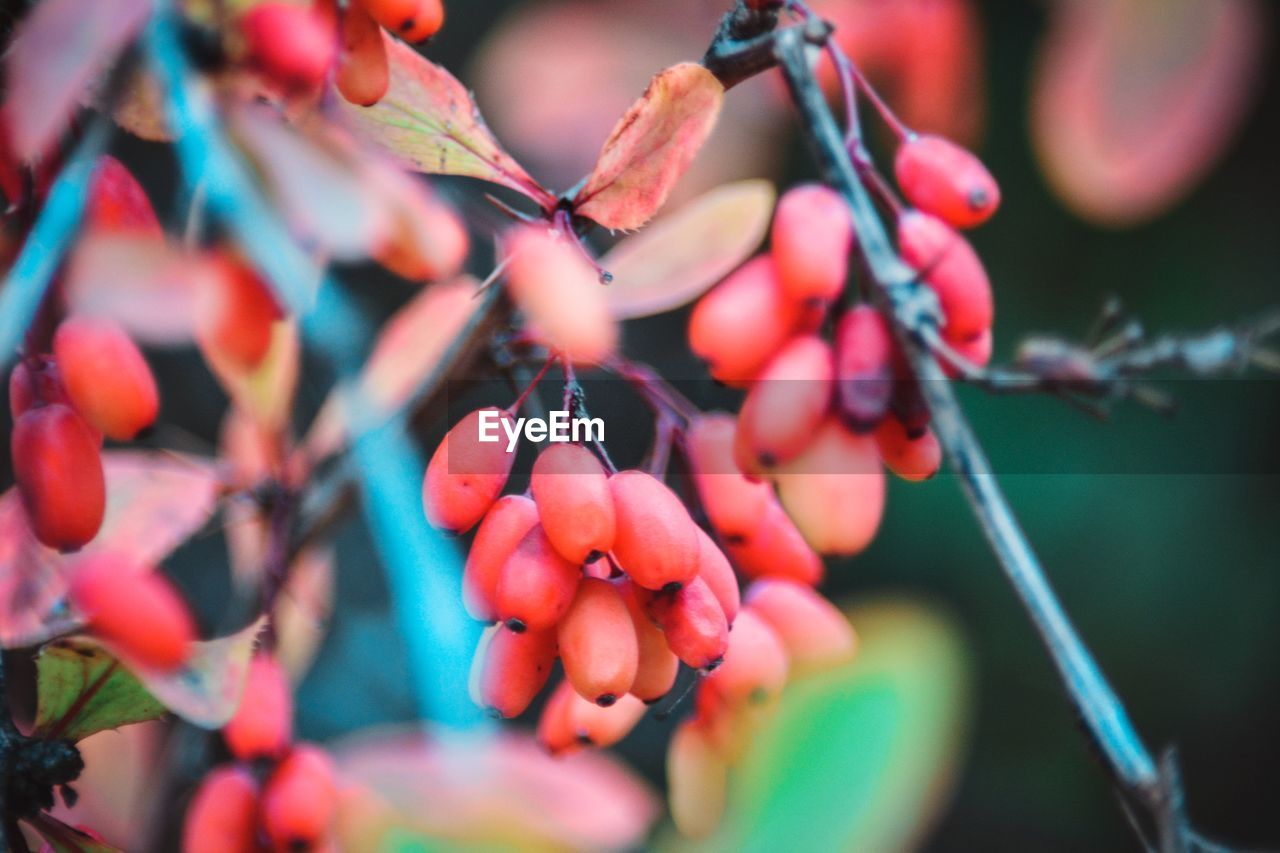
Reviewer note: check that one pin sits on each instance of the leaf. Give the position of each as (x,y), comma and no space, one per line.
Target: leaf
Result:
(1134,101)
(265,392)
(57,51)
(651,147)
(409,347)
(207,690)
(430,122)
(81,689)
(675,260)
(500,790)
(303,609)
(155,502)
(63,838)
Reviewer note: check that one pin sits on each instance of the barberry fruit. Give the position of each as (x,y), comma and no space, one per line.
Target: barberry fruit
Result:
(598,644)
(911,459)
(755,665)
(863,366)
(946,180)
(742,322)
(693,622)
(656,541)
(951,268)
(263,724)
(657,665)
(697,779)
(503,527)
(810,241)
(116,202)
(536,584)
(222,816)
(289,44)
(575,507)
(590,724)
(235,314)
(411,20)
(363,73)
(814,633)
(714,568)
(788,401)
(465,475)
(58,469)
(777,549)
(514,669)
(734,505)
(136,610)
(299,800)
(106,376)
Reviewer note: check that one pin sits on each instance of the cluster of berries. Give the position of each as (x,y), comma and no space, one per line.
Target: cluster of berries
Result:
(278,792)
(294,46)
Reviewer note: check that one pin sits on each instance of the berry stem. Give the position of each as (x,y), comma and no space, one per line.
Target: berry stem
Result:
(532,384)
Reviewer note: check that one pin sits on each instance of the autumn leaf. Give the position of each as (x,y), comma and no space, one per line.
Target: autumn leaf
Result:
(82,689)
(63,838)
(430,122)
(264,392)
(651,147)
(206,690)
(675,260)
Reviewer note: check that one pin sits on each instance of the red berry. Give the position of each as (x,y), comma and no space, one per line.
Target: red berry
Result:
(235,314)
(598,644)
(502,529)
(693,622)
(864,372)
(289,44)
(813,631)
(657,666)
(58,469)
(911,459)
(714,568)
(755,665)
(536,585)
(222,817)
(411,20)
(515,668)
(739,325)
(734,504)
(777,549)
(951,268)
(697,780)
(363,73)
(656,541)
(976,350)
(263,724)
(555,728)
(134,609)
(945,180)
(835,490)
(466,475)
(106,376)
(37,382)
(116,202)
(788,401)
(811,237)
(300,800)
(575,507)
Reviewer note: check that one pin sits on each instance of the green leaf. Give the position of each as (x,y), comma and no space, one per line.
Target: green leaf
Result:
(859,757)
(81,689)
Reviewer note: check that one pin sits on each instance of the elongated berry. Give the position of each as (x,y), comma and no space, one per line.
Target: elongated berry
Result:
(657,665)
(814,632)
(863,367)
(656,541)
(951,268)
(555,728)
(734,505)
(499,533)
(835,490)
(946,180)
(289,44)
(602,726)
(575,507)
(911,459)
(598,644)
(693,622)
(756,664)
(300,800)
(263,724)
(116,202)
(788,401)
(742,322)
(37,381)
(235,313)
(560,293)
(777,549)
(58,469)
(363,73)
(106,376)
(466,475)
(810,241)
(411,20)
(514,669)
(697,779)
(536,584)
(714,568)
(976,350)
(222,816)
(134,609)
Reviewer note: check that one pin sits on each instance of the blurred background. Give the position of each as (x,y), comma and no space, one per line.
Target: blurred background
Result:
(1135,144)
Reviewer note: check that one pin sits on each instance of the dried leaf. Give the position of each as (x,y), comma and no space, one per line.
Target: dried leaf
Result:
(81,689)
(1135,101)
(675,260)
(303,609)
(207,690)
(430,122)
(651,147)
(57,51)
